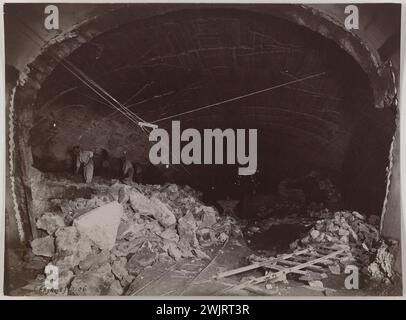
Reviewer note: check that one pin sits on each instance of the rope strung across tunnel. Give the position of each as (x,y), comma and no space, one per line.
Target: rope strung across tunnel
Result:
(134,118)
(239,97)
(112,102)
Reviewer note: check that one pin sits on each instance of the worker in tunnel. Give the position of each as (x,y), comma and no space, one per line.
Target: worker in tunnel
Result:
(139,173)
(127,169)
(105,165)
(311,187)
(85,158)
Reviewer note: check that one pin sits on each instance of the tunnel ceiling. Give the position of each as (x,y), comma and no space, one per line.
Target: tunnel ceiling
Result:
(180,61)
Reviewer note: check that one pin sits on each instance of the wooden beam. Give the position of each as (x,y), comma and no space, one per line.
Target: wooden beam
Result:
(259,264)
(283,272)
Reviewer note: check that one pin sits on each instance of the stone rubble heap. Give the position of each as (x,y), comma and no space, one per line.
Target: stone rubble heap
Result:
(100,245)
(352,231)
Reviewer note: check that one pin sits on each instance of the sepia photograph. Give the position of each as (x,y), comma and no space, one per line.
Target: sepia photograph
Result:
(202,149)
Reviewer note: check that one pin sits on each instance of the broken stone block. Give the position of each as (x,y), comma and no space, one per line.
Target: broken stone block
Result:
(127,280)
(124,194)
(130,229)
(343,232)
(101,224)
(314,234)
(358,215)
(321,237)
(172,250)
(50,222)
(43,246)
(118,268)
(164,257)
(170,234)
(94,260)
(142,258)
(382,267)
(93,282)
(115,289)
(185,248)
(200,254)
(331,227)
(162,213)
(139,202)
(154,227)
(223,237)
(71,247)
(375,271)
(123,248)
(187,228)
(316,284)
(306,240)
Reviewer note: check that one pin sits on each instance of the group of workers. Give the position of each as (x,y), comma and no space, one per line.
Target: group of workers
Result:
(85,159)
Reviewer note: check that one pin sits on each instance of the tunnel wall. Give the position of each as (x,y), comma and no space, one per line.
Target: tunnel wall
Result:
(392,220)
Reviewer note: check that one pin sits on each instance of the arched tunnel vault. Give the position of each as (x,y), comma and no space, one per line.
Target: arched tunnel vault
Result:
(173,62)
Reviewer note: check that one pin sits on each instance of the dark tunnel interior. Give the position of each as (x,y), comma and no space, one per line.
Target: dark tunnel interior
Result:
(172,63)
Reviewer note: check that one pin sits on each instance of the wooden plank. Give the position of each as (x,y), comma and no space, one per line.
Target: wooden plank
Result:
(310,267)
(278,268)
(314,254)
(282,272)
(330,248)
(324,252)
(327,262)
(299,259)
(258,264)
(304,258)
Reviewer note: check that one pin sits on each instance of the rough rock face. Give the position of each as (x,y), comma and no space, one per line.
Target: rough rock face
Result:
(115,289)
(94,282)
(93,260)
(101,224)
(142,258)
(187,228)
(151,206)
(72,247)
(381,268)
(138,201)
(170,234)
(162,213)
(43,246)
(50,222)
(172,250)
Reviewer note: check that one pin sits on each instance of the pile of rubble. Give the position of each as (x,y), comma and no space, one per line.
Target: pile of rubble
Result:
(100,245)
(352,231)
